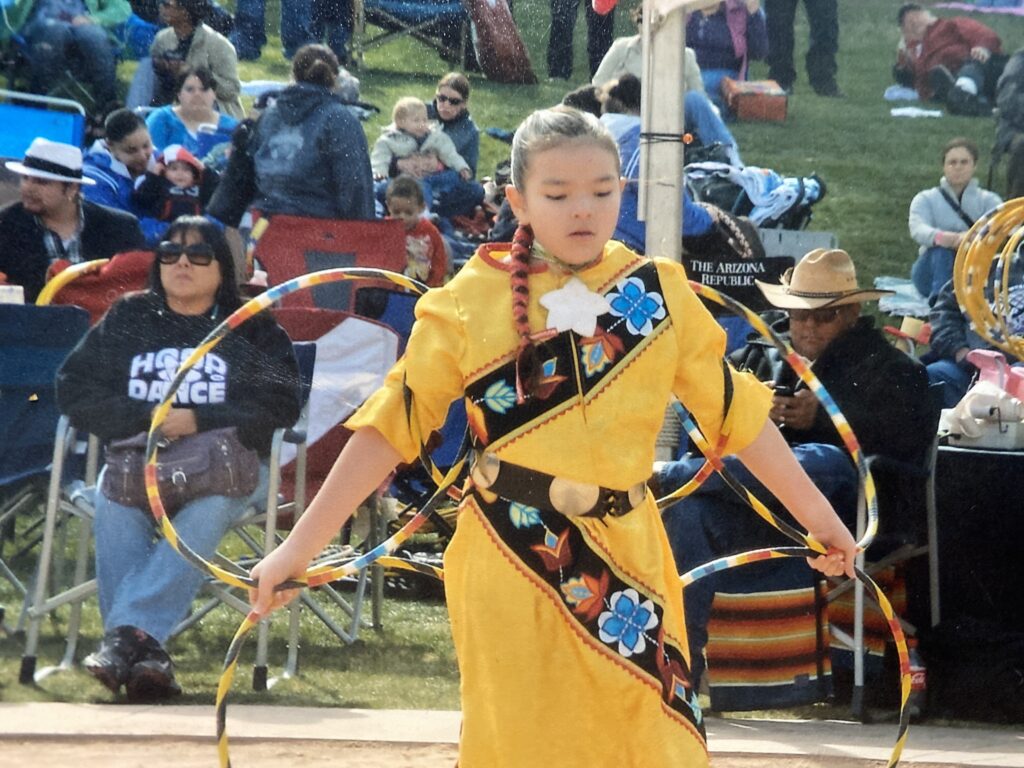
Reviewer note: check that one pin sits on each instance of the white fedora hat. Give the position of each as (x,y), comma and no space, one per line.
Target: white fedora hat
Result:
(51,160)
(823,278)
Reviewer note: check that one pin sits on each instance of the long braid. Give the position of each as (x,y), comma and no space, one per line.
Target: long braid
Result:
(526,368)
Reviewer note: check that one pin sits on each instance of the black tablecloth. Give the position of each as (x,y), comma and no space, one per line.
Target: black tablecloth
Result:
(980,508)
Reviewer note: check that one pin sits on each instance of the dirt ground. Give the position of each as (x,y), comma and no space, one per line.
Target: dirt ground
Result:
(176,753)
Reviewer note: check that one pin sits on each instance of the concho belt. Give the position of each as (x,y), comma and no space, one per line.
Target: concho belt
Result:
(547,492)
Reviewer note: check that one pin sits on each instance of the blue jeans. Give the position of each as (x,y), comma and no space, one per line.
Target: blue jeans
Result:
(249,35)
(142,581)
(451,195)
(701,118)
(932,270)
(51,41)
(713,522)
(954,377)
(447,194)
(712,79)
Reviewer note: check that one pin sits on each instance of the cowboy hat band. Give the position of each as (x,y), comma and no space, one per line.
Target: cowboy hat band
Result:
(822,278)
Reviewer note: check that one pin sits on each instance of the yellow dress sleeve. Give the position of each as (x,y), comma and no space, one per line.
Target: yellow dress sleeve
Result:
(417,391)
(701,371)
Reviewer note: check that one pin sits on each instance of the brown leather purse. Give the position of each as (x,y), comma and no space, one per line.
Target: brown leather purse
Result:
(211,463)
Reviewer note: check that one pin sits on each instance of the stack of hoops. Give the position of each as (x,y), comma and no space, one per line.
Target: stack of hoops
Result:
(982,276)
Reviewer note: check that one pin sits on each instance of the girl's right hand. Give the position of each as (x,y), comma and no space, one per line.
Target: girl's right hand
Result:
(274,569)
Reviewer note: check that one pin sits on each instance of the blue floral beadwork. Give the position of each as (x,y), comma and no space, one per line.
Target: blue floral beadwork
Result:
(500,396)
(627,621)
(523,516)
(638,306)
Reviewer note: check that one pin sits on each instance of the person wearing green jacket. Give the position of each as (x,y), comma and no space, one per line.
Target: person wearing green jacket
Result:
(58,29)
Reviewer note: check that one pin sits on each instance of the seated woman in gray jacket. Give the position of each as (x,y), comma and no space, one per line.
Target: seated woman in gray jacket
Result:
(941,216)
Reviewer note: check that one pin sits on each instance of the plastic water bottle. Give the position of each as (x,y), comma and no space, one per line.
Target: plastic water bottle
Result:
(918,701)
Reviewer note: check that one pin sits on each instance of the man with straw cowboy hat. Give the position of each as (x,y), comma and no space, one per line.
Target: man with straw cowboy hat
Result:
(52,222)
(881,391)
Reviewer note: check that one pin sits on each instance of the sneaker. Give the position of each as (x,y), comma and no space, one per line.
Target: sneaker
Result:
(151,678)
(112,662)
(941,82)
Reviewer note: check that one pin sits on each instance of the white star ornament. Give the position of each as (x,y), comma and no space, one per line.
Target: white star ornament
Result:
(574,307)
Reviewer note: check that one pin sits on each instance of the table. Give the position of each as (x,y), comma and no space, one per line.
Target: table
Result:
(980,522)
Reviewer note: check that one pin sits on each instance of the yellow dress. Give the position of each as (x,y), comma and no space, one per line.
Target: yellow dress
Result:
(568,630)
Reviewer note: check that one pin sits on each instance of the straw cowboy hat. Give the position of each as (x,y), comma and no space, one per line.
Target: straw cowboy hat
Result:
(52,161)
(822,278)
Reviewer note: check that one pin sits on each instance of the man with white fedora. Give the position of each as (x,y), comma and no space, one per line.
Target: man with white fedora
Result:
(881,391)
(53,222)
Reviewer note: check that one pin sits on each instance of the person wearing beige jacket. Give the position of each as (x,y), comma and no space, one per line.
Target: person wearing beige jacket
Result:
(625,57)
(188,42)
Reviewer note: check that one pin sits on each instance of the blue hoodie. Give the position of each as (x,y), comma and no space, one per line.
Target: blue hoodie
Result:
(310,157)
(114,187)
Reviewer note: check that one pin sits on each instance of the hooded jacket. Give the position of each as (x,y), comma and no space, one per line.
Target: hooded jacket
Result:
(114,187)
(310,157)
(120,370)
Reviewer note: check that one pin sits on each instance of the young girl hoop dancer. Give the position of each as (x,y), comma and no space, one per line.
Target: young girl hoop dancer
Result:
(565,606)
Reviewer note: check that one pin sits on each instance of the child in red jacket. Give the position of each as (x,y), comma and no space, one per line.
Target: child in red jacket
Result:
(424,246)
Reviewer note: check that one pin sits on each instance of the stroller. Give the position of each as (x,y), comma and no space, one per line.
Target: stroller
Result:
(769,200)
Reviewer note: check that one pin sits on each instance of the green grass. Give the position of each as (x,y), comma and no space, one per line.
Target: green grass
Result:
(873,165)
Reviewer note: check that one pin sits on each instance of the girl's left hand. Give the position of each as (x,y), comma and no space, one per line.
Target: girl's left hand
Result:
(842,551)
(465,174)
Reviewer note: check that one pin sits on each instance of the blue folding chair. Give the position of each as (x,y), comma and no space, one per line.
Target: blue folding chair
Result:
(33,343)
(26,116)
(441,24)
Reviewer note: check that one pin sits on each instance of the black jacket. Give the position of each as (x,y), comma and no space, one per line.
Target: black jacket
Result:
(882,392)
(118,373)
(160,199)
(23,256)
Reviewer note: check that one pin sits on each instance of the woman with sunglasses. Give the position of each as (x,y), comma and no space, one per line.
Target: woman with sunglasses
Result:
(109,386)
(451,109)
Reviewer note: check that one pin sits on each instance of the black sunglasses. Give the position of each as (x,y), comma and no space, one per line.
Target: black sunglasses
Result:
(199,254)
(456,102)
(817,316)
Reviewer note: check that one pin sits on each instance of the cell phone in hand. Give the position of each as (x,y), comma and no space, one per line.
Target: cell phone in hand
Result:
(783,391)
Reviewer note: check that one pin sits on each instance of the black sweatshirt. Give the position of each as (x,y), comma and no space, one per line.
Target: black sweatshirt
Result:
(120,371)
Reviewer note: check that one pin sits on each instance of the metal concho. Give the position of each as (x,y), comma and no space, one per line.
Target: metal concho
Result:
(573,498)
(485,470)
